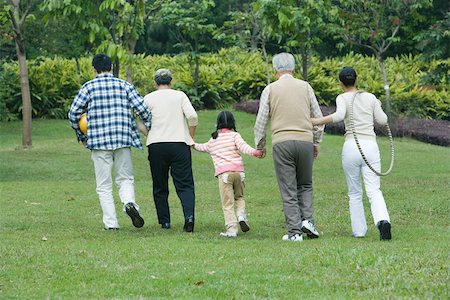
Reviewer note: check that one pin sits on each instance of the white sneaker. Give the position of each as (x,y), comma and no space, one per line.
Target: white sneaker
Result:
(295,238)
(229,234)
(309,229)
(243,224)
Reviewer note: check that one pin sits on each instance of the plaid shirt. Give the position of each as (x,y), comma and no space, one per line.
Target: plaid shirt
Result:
(108,102)
(263,117)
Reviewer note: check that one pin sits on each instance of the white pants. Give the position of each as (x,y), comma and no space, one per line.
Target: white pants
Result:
(104,160)
(354,166)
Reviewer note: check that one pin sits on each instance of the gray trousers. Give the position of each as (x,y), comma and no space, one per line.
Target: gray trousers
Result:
(293,162)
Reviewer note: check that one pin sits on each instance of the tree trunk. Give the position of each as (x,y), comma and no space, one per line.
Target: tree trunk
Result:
(266,58)
(196,72)
(196,66)
(131,51)
(386,87)
(305,64)
(26,97)
(116,67)
(77,63)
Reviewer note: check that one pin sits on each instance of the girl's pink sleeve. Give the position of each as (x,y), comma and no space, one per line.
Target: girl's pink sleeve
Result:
(243,146)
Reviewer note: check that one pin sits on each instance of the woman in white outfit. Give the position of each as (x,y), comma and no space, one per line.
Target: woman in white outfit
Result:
(366,110)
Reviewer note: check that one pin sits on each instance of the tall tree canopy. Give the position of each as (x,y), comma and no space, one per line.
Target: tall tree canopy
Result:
(375,24)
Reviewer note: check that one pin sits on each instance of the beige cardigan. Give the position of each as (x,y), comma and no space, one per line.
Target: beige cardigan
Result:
(170,110)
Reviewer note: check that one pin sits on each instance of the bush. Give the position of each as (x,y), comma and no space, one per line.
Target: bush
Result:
(418,89)
(406,75)
(10,92)
(436,132)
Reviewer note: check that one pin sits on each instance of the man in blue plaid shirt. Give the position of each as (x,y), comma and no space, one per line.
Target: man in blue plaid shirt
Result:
(108,103)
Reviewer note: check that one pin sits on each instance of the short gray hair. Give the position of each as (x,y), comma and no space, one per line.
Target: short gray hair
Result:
(283,62)
(162,77)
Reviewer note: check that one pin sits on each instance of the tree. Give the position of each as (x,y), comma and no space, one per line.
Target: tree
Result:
(246,29)
(191,21)
(115,24)
(127,19)
(435,42)
(297,23)
(375,25)
(17,13)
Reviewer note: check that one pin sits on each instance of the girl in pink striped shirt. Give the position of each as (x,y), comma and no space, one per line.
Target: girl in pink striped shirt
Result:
(225,148)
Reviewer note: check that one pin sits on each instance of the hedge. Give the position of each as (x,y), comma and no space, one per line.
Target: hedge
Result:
(418,88)
(436,132)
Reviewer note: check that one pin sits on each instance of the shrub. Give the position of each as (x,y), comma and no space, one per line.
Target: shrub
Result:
(10,93)
(436,132)
(418,89)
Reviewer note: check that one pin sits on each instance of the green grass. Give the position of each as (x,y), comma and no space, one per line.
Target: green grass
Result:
(49,192)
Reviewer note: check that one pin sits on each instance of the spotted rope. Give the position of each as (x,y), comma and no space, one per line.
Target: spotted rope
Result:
(391,140)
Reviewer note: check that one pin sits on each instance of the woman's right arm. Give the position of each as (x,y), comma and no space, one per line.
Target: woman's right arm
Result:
(320,121)
(338,116)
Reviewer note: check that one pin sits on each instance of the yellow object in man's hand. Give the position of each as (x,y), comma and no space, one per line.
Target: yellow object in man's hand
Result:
(83,123)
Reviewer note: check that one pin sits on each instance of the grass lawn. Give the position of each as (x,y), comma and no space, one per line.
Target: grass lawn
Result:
(53,246)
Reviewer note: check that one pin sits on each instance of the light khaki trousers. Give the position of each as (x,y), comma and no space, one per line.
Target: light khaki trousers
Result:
(231,188)
(105,161)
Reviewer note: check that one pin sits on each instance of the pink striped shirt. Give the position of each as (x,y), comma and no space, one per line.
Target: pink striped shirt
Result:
(226,151)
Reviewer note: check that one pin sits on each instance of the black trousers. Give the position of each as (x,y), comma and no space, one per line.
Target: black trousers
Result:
(174,158)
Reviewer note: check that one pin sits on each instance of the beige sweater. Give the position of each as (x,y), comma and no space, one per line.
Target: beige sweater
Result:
(366,110)
(170,110)
(290,110)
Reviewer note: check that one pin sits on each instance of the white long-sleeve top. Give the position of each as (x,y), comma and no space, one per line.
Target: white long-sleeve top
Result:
(170,110)
(366,111)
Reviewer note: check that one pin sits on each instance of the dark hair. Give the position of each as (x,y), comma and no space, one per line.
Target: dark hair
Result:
(225,119)
(347,76)
(102,63)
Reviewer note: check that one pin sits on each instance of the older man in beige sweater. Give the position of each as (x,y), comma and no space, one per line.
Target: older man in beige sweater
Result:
(289,104)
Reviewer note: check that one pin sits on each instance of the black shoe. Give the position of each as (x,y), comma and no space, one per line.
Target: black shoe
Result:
(134,215)
(110,228)
(385,230)
(165,225)
(189,224)
(244,226)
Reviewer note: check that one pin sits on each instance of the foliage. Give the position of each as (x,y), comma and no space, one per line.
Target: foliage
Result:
(295,24)
(113,25)
(375,24)
(436,40)
(53,84)
(156,38)
(419,89)
(429,131)
(191,26)
(10,94)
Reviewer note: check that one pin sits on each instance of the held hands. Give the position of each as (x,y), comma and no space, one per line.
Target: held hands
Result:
(260,153)
(142,128)
(316,151)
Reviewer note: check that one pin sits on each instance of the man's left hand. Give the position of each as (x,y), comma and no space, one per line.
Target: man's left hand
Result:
(316,151)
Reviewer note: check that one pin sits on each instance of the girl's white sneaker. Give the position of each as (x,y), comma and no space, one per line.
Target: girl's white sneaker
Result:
(229,234)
